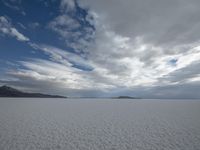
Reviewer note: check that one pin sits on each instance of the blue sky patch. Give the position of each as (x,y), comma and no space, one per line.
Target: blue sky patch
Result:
(32,18)
(173,62)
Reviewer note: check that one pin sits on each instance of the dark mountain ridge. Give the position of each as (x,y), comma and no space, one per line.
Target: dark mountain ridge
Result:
(6,91)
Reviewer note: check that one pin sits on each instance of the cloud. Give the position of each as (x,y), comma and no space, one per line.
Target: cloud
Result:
(133,62)
(6,28)
(47,75)
(64,25)
(67,5)
(185,74)
(144,48)
(74,26)
(165,23)
(64,57)
(136,45)
(175,91)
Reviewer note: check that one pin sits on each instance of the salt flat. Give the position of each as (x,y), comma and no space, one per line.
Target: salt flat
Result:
(89,124)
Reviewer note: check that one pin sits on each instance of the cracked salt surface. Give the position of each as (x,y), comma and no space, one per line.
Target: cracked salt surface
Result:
(72,124)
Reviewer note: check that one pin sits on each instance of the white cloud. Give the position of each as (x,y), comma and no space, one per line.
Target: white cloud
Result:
(131,49)
(164,23)
(64,25)
(7,29)
(72,32)
(40,73)
(135,45)
(62,56)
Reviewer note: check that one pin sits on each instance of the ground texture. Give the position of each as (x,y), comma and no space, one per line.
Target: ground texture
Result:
(70,124)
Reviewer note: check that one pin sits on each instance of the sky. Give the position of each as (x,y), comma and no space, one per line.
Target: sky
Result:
(101,48)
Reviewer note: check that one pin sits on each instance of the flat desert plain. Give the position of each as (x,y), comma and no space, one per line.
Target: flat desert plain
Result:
(99,124)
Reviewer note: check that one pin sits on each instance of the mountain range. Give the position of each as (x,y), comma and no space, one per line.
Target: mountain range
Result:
(6,91)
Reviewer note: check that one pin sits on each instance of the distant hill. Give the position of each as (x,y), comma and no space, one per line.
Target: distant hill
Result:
(6,91)
(126,97)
